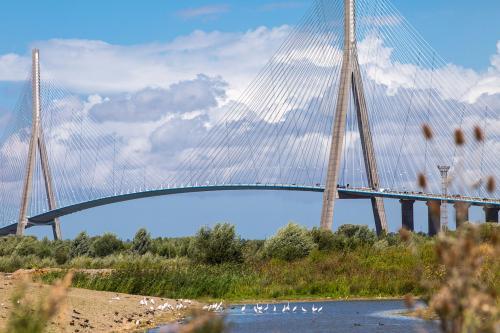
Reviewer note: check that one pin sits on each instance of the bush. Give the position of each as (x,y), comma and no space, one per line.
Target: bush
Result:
(61,253)
(142,242)
(324,239)
(172,247)
(44,248)
(105,245)
(290,243)
(217,245)
(353,236)
(80,246)
(26,246)
(252,250)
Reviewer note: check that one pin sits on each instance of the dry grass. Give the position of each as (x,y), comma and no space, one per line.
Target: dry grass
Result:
(33,316)
(463,293)
(464,300)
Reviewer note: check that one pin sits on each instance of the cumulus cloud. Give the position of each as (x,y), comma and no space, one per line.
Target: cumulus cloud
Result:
(90,66)
(151,104)
(489,82)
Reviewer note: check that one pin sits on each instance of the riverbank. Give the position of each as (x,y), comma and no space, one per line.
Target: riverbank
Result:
(90,310)
(241,302)
(361,273)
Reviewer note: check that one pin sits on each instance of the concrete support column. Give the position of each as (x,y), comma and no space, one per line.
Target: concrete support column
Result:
(433,217)
(407,216)
(491,213)
(461,213)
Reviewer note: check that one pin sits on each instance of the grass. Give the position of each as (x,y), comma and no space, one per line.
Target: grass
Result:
(363,272)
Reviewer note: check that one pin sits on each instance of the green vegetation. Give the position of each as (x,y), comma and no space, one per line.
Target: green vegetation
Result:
(217,245)
(290,243)
(217,263)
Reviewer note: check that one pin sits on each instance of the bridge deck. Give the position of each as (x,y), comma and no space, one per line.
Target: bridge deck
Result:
(344,193)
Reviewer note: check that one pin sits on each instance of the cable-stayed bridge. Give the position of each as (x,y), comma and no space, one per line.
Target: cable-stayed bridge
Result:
(340,109)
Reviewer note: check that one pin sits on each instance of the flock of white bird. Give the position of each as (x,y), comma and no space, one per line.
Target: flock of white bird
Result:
(215,307)
(181,305)
(218,307)
(258,309)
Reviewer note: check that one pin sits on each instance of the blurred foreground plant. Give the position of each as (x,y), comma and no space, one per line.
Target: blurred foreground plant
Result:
(200,322)
(30,316)
(205,323)
(464,294)
(466,301)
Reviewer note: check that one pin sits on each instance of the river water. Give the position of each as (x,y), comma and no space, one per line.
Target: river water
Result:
(338,316)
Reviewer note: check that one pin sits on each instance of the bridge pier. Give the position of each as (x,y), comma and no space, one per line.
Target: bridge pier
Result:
(461,213)
(433,217)
(407,216)
(491,213)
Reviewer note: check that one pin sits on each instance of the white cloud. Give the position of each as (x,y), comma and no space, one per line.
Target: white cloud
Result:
(14,67)
(89,66)
(152,104)
(489,82)
(203,11)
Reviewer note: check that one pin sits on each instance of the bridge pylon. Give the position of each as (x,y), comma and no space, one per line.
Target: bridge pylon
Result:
(37,143)
(351,82)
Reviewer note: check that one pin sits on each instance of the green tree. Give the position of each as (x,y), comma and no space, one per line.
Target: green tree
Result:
(45,248)
(80,246)
(142,242)
(61,252)
(290,243)
(217,245)
(356,235)
(324,239)
(26,245)
(106,245)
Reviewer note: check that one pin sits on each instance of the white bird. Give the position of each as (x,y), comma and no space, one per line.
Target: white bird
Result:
(259,307)
(274,309)
(320,309)
(219,307)
(255,309)
(267,307)
(288,307)
(314,309)
(284,308)
(294,309)
(303,310)
(243,308)
(152,301)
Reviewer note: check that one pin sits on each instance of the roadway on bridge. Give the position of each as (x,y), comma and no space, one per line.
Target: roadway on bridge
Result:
(344,193)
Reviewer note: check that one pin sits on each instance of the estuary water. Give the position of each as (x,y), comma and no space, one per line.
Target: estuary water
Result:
(338,316)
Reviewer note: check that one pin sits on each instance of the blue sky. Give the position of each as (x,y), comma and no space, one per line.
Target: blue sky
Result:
(461,31)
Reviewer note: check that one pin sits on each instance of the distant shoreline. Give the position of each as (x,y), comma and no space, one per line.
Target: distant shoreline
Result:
(312,300)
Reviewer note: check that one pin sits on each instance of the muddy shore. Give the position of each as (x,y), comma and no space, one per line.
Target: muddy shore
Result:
(95,311)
